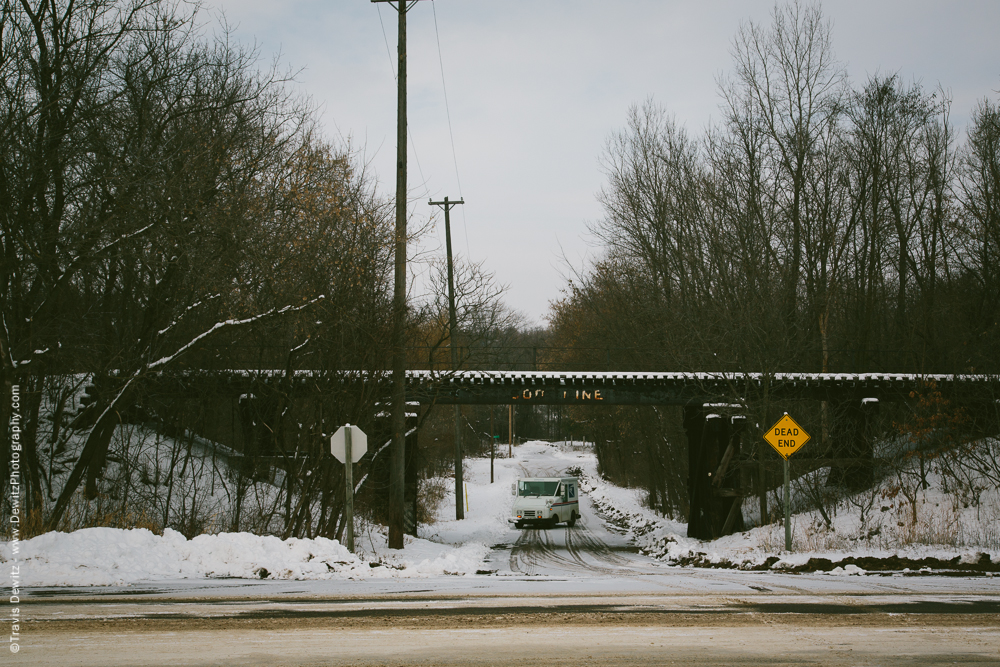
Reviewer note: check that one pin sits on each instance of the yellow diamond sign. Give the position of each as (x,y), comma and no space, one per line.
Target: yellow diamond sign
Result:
(786,436)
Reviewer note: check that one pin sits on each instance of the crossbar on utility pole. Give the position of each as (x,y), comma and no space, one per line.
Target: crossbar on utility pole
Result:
(453,337)
(397,467)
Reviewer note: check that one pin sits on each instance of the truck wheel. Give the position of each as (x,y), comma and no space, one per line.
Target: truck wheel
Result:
(518,524)
(572,519)
(553,520)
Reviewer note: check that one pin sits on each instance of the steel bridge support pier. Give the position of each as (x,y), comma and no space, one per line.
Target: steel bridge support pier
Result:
(714,481)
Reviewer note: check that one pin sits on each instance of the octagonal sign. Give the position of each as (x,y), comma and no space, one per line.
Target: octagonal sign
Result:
(786,436)
(359,443)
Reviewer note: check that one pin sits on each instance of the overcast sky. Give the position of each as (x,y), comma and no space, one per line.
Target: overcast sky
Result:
(535,87)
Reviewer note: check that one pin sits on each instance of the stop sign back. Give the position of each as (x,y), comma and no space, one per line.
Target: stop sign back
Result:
(359,443)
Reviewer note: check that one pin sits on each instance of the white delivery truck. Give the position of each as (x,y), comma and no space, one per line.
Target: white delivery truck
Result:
(545,501)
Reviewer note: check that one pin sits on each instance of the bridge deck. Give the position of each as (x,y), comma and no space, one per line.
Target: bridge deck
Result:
(488,387)
(611,388)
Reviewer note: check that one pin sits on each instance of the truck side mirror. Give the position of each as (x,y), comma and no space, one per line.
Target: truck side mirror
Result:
(513,489)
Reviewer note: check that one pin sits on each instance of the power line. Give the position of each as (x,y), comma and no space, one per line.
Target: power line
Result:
(451,134)
(395,77)
(447,109)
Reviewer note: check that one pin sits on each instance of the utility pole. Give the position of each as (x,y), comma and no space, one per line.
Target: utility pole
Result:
(453,338)
(397,459)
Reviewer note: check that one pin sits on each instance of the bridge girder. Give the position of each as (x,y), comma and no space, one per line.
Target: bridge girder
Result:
(553,388)
(538,388)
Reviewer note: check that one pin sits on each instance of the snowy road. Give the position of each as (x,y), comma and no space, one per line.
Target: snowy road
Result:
(589,548)
(573,551)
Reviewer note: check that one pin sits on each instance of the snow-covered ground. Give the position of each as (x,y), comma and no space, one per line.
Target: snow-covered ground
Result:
(113,557)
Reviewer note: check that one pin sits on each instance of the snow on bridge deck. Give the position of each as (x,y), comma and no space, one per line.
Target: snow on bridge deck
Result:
(493,387)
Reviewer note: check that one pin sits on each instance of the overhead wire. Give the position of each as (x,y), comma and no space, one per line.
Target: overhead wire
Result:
(451,134)
(395,76)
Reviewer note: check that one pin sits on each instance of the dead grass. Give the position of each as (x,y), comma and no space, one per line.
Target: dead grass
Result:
(432,494)
(31,525)
(97,513)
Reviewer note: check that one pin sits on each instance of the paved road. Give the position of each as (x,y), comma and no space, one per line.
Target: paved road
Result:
(434,629)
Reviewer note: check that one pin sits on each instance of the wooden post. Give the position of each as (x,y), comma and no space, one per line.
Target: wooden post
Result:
(762,487)
(453,344)
(397,457)
(510,431)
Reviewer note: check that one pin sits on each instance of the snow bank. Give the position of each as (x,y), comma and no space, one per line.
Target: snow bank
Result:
(115,557)
(944,534)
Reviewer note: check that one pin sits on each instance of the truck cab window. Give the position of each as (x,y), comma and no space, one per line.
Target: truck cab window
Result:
(535,488)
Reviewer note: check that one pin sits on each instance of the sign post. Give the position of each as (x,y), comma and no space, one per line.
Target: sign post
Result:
(493,453)
(787,437)
(349,444)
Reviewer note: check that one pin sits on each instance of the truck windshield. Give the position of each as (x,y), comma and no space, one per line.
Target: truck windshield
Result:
(533,488)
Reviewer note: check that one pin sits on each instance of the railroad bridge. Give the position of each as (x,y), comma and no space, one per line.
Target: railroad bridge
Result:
(727,462)
(687,389)
(723,465)
(488,387)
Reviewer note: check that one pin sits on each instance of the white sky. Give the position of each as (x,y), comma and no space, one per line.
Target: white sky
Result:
(535,87)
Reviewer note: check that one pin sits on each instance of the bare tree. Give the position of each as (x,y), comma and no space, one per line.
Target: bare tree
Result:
(978,226)
(483,318)
(898,161)
(163,193)
(781,103)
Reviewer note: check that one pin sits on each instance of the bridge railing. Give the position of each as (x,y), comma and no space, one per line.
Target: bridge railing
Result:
(551,358)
